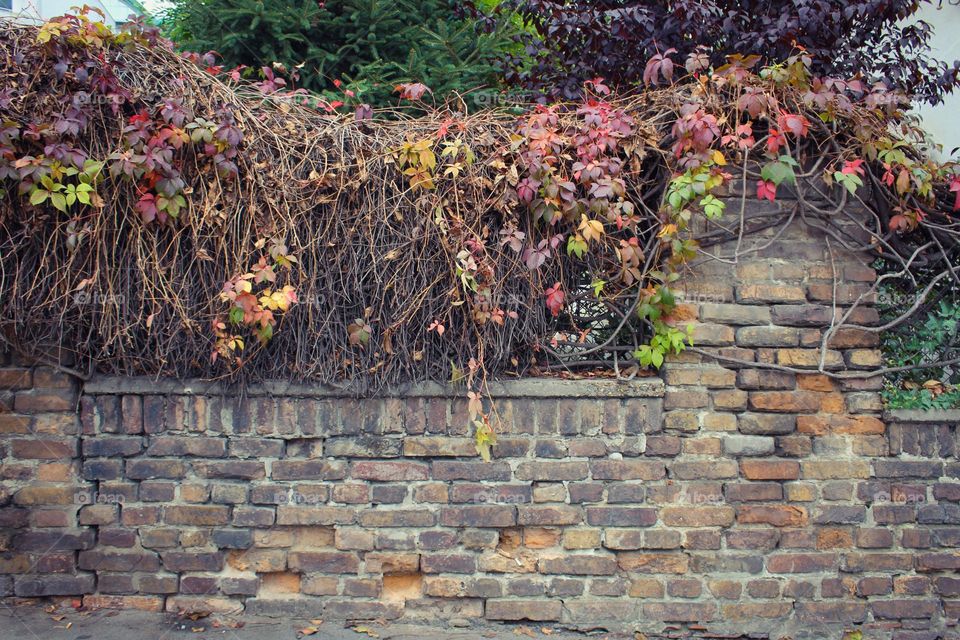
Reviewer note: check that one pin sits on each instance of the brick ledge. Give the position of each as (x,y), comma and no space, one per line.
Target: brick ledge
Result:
(523,388)
(934,416)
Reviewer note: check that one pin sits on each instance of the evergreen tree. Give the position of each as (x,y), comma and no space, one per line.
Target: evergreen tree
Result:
(370,45)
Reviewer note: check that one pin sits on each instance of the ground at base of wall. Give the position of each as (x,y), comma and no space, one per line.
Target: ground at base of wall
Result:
(56,618)
(42,620)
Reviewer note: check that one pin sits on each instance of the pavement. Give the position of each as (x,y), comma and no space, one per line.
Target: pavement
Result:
(45,620)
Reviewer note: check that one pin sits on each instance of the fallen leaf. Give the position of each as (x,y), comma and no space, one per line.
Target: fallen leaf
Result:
(307,631)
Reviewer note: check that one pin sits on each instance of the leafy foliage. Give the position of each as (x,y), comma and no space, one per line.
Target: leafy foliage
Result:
(629,42)
(447,246)
(934,337)
(369,45)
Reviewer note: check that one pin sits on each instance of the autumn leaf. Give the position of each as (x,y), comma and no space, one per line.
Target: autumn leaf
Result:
(592,230)
(555,298)
(412,90)
(766,189)
(484,438)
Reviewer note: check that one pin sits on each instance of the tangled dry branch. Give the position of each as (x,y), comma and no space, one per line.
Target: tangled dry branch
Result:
(397,280)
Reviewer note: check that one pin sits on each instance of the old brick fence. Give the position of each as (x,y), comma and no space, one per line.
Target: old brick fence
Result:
(723,496)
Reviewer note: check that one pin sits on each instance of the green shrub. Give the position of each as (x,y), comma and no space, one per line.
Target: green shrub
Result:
(933,336)
(369,45)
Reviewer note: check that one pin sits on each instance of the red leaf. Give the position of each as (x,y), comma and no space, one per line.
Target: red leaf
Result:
(955,187)
(766,190)
(774,141)
(795,124)
(555,297)
(853,166)
(412,90)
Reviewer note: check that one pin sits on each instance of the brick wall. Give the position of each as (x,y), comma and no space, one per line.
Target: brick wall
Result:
(726,497)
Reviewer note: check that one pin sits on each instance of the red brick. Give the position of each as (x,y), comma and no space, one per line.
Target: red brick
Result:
(770,469)
(776,515)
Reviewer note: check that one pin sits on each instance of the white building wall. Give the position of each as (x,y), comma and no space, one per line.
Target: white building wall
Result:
(943,120)
(42,10)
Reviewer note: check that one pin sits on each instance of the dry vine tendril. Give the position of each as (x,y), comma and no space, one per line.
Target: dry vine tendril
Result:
(228,230)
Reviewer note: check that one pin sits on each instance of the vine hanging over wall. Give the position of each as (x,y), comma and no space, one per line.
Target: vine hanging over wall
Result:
(222,229)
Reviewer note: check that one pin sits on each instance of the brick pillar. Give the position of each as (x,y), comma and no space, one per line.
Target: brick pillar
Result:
(41,493)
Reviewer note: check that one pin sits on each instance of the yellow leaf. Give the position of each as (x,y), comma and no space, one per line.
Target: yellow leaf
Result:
(718,158)
(667,230)
(591,229)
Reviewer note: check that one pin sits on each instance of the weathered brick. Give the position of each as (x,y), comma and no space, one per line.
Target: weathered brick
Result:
(621,516)
(240,447)
(447,563)
(908,468)
(178,561)
(323,562)
(198,446)
(704,470)
(697,516)
(314,515)
(826,424)
(748,445)
(118,561)
(680,611)
(43,449)
(32,586)
(800,562)
(473,471)
(396,518)
(653,562)
(767,293)
(734,314)
(770,469)
(575,564)
(627,470)
(785,401)
(427,446)
(900,609)
(554,515)
(392,563)
(145,469)
(775,515)
(516,609)
(834,469)
(766,424)
(308,470)
(552,471)
(767,336)
(479,516)
(231,469)
(196,515)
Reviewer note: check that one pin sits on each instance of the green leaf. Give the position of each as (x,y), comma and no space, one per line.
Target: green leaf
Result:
(39,196)
(656,357)
(777,172)
(59,201)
